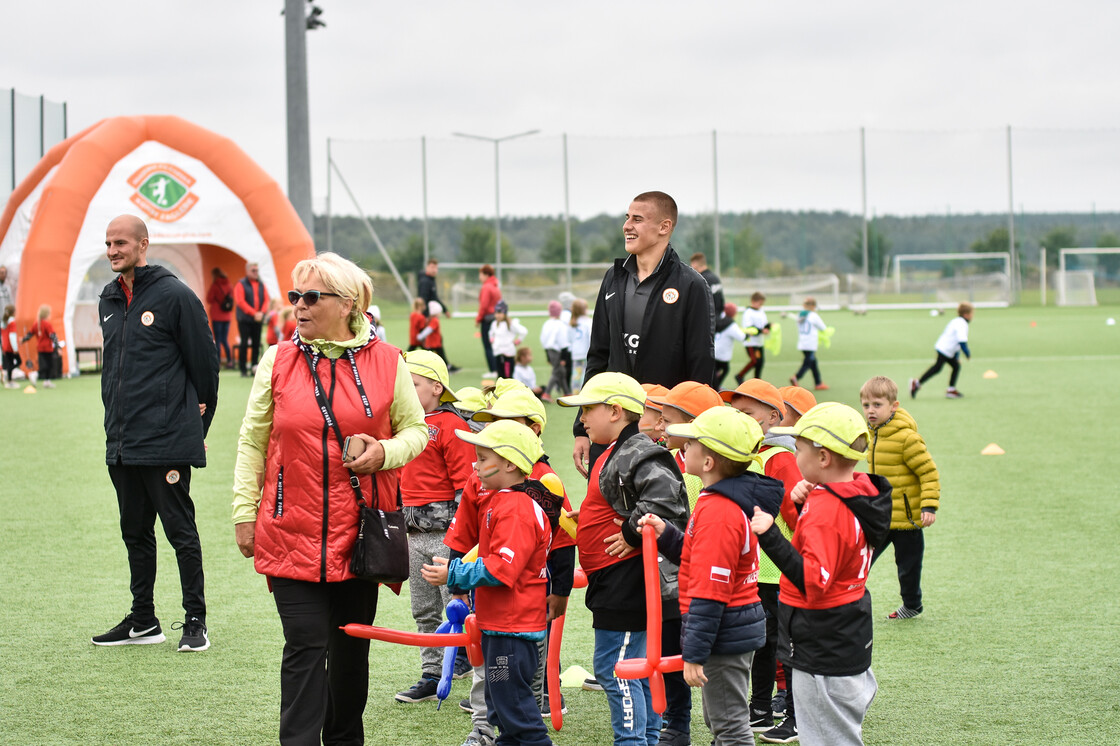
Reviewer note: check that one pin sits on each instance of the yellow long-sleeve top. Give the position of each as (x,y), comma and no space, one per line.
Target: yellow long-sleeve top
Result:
(406,417)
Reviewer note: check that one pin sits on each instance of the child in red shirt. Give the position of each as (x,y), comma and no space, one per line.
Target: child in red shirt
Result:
(762,402)
(519,405)
(509,578)
(417,320)
(45,344)
(10,344)
(724,623)
(431,485)
(824,609)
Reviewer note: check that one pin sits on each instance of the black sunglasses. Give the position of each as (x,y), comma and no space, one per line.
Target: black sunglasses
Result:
(310,297)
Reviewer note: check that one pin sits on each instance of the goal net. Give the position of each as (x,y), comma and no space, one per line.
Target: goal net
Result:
(526,288)
(1079,271)
(785,293)
(945,280)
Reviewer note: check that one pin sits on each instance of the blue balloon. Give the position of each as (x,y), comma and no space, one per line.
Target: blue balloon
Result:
(457,612)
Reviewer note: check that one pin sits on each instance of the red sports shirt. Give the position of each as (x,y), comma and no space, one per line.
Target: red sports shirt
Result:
(513,544)
(444,465)
(833,547)
(719,560)
(783,466)
(596,523)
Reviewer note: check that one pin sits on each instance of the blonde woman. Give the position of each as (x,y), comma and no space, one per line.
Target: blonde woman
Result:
(294,510)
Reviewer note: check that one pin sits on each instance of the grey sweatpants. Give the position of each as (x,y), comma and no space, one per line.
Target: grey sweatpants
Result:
(428,601)
(727,698)
(830,709)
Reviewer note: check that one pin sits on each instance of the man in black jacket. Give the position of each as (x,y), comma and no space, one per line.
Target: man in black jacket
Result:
(653,317)
(426,287)
(699,262)
(160,388)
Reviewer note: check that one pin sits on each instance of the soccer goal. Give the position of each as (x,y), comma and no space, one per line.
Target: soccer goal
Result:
(1078,287)
(944,280)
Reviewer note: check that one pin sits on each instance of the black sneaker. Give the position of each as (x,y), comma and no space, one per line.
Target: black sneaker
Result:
(463,669)
(453,369)
(914,386)
(546,709)
(761,720)
(194,639)
(786,732)
(465,706)
(674,737)
(591,684)
(129,633)
(904,612)
(778,704)
(422,691)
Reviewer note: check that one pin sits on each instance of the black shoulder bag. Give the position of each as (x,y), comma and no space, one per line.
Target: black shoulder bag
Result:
(380,553)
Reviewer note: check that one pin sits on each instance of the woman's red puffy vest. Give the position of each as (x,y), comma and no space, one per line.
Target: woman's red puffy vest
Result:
(308,515)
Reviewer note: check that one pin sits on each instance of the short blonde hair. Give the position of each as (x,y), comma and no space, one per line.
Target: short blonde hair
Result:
(340,276)
(879,386)
(964,308)
(44,312)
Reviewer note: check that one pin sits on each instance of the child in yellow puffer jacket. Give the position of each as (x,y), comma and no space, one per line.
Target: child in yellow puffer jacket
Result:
(899,453)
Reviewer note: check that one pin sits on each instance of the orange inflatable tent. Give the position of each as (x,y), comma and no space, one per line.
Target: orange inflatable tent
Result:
(206,203)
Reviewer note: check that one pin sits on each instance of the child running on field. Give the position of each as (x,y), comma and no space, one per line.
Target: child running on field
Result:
(756,326)
(899,453)
(509,578)
(809,327)
(718,556)
(631,478)
(824,609)
(952,342)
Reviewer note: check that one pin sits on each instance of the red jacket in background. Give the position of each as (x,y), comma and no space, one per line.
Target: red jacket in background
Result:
(242,304)
(214,297)
(443,467)
(416,323)
(487,297)
(43,331)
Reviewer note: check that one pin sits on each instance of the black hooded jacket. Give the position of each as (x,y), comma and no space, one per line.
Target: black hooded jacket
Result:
(710,627)
(160,364)
(835,641)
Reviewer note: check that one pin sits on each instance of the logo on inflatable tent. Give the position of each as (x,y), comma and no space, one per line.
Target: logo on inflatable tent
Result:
(163,191)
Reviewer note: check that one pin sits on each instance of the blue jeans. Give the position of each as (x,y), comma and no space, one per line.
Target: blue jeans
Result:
(632,717)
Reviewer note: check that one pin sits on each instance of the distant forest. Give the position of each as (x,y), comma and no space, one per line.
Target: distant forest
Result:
(751,245)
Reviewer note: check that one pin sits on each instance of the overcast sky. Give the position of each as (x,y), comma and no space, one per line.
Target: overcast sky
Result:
(638,87)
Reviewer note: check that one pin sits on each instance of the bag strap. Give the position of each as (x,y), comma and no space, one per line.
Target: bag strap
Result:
(332,422)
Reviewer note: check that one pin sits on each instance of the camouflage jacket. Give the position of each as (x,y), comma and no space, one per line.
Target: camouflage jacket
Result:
(641,477)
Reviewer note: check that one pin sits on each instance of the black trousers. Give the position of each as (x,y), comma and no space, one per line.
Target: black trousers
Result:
(144,492)
(487,350)
(324,675)
(250,333)
(756,358)
(678,694)
(809,364)
(909,549)
(934,369)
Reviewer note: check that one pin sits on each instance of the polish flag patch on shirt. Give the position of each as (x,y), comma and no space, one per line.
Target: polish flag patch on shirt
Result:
(507,554)
(720,574)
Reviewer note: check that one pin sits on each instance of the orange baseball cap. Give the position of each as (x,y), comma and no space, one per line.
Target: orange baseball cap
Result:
(759,390)
(691,397)
(654,390)
(798,399)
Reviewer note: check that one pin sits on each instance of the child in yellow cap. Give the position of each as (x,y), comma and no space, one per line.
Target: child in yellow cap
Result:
(632,477)
(508,577)
(724,620)
(431,486)
(824,609)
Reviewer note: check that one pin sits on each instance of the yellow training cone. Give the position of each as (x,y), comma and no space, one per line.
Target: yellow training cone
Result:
(990,374)
(992,450)
(574,677)
(29,389)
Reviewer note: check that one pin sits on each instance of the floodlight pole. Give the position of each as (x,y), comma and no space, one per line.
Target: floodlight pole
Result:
(1015,279)
(497,192)
(863,187)
(299,128)
(715,202)
(567,219)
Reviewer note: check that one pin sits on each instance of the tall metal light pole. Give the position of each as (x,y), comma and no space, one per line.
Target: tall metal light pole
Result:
(296,24)
(497,192)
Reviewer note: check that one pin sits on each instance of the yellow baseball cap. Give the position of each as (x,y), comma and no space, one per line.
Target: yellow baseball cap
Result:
(609,388)
(430,365)
(725,430)
(831,425)
(469,399)
(501,386)
(516,402)
(511,440)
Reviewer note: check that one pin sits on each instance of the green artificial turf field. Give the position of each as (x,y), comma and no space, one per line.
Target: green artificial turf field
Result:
(1017,644)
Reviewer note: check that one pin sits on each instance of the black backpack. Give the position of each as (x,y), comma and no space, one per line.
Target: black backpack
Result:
(227,302)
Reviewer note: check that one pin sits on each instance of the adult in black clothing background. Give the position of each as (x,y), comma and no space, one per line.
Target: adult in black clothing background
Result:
(426,287)
(160,388)
(699,262)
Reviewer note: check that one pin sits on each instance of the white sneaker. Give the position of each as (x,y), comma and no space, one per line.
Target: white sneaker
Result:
(48,384)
